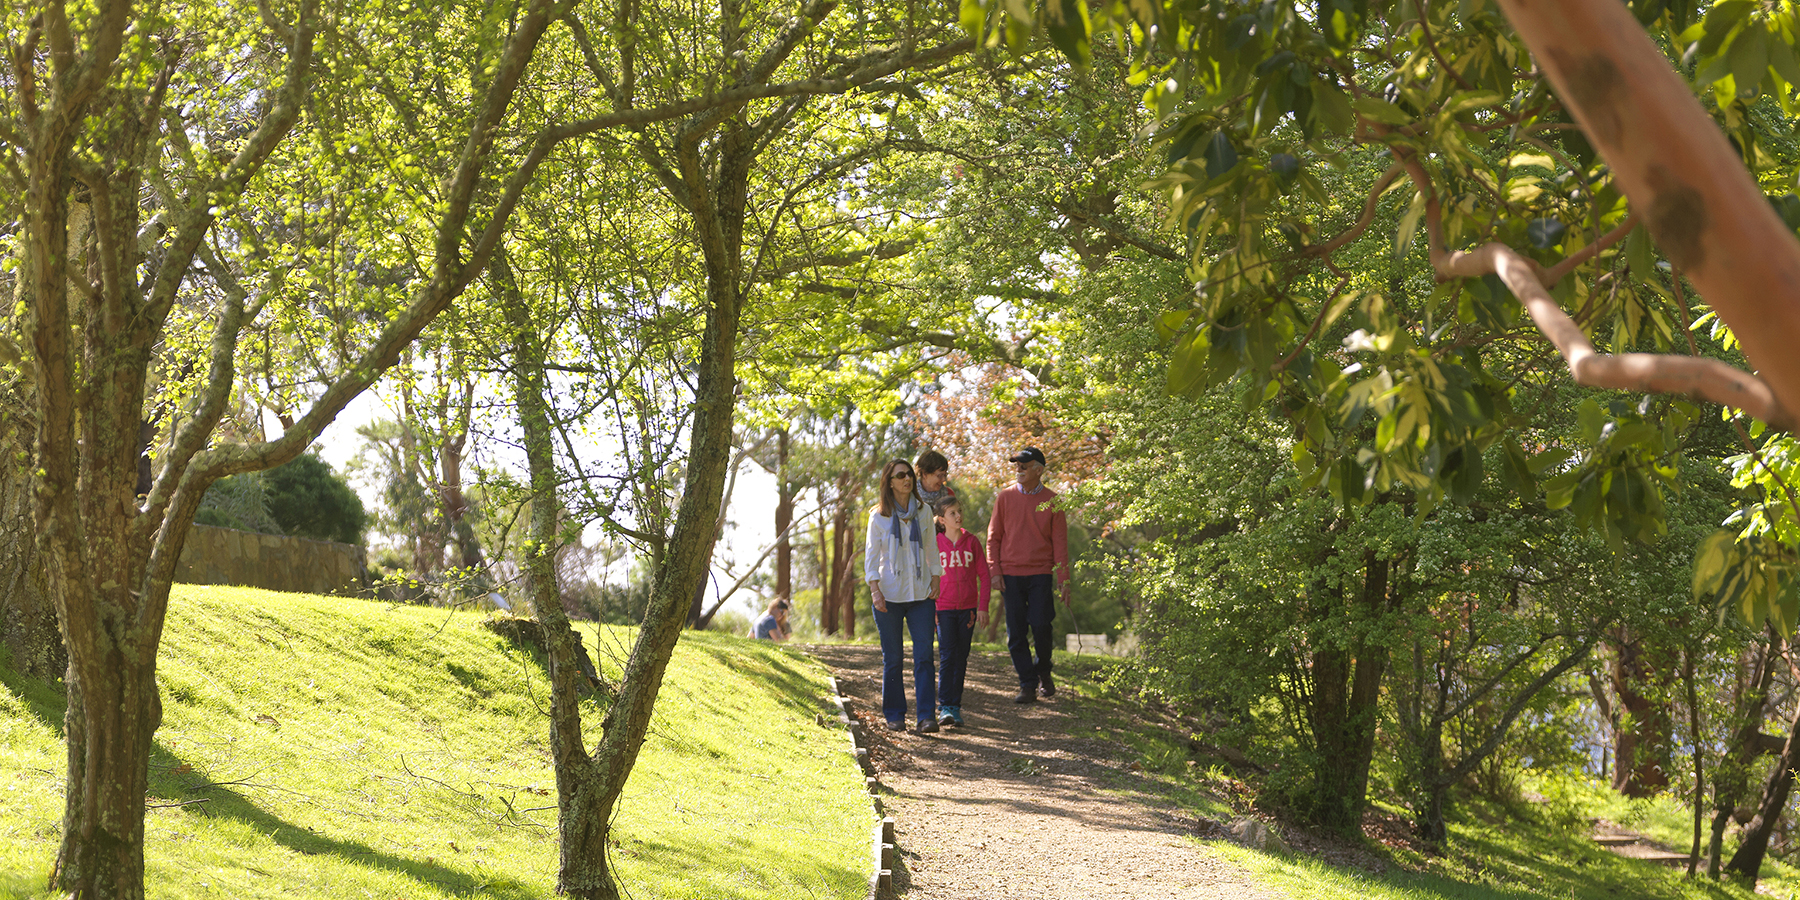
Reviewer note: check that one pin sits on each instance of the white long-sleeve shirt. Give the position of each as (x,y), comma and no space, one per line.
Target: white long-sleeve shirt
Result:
(889,563)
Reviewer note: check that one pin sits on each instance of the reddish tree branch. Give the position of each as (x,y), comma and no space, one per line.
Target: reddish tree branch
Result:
(1646,372)
(1706,212)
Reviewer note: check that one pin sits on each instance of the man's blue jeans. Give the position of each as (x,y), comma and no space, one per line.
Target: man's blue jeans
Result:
(956,631)
(917,618)
(1029,612)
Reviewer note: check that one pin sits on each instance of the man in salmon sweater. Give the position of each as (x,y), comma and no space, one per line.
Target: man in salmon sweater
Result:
(1028,550)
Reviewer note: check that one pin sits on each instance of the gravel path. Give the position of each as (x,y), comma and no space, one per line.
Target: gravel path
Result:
(1020,804)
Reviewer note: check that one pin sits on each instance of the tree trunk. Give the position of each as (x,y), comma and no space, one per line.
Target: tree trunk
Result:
(1428,817)
(828,610)
(455,503)
(1747,861)
(1696,740)
(29,634)
(1731,778)
(784,519)
(427,541)
(582,820)
(589,786)
(111,718)
(1644,735)
(1346,693)
(843,576)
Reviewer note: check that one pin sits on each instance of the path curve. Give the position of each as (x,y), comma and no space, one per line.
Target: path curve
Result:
(1025,802)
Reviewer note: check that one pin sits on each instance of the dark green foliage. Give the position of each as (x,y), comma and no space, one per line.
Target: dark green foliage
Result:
(307,499)
(240,502)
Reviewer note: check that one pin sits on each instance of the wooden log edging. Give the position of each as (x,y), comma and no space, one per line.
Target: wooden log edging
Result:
(881,877)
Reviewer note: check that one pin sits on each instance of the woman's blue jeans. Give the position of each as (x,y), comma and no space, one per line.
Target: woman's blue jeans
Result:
(919,618)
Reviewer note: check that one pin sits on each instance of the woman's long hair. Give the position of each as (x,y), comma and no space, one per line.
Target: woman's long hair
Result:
(889,502)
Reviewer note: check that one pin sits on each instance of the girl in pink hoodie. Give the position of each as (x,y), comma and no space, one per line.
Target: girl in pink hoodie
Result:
(962,604)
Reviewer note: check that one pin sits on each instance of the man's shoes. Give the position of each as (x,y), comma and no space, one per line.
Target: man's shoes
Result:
(1026,695)
(894,725)
(927,726)
(1046,687)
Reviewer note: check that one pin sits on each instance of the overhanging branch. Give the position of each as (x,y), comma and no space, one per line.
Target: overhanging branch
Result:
(1655,373)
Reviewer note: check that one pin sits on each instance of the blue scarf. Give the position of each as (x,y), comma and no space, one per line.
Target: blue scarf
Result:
(909,515)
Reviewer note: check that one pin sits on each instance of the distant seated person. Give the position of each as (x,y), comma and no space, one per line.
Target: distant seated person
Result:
(773,625)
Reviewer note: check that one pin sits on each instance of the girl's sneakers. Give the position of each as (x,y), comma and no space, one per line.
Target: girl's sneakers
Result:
(950,715)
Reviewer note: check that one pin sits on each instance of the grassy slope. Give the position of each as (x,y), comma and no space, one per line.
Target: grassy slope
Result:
(1532,851)
(321,747)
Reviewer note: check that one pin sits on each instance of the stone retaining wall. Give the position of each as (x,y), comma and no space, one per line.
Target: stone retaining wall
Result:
(278,563)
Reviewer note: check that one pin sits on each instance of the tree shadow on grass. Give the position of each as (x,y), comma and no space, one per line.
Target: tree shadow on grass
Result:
(781,670)
(45,700)
(780,871)
(47,703)
(224,802)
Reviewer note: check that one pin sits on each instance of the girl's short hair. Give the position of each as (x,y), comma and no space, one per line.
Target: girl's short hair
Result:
(932,461)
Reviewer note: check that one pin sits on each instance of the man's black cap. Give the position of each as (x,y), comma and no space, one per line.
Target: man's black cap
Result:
(1029,454)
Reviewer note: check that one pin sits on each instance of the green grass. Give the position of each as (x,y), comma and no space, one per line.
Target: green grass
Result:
(1494,854)
(320,747)
(1530,850)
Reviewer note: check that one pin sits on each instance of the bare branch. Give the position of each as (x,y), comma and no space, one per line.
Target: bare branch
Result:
(1555,273)
(883,250)
(1368,214)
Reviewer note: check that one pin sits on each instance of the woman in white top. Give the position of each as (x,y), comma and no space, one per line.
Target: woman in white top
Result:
(903,581)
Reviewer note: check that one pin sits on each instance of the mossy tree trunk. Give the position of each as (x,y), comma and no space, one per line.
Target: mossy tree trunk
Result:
(1344,707)
(32,640)
(92,119)
(590,783)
